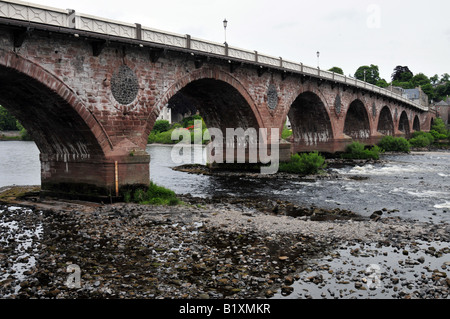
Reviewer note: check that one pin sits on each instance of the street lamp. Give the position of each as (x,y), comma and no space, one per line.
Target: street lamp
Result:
(318,59)
(225,24)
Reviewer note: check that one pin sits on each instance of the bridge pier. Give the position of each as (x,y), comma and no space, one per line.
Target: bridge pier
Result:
(93,178)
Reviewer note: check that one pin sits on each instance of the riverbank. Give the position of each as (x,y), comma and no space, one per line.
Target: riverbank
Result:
(210,248)
(10,136)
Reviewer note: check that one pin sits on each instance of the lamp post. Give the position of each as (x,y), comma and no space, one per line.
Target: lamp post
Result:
(225,24)
(318,59)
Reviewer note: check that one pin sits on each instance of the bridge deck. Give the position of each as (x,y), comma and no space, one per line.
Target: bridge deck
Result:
(24,14)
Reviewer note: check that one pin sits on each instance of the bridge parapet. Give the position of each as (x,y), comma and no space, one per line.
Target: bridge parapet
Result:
(115,30)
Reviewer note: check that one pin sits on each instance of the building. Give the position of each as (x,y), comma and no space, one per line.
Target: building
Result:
(443,110)
(416,95)
(166,114)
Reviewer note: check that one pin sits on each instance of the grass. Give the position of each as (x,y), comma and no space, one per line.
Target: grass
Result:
(153,195)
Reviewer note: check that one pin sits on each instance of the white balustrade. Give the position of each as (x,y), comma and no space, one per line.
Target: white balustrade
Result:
(164,38)
(208,47)
(114,28)
(241,54)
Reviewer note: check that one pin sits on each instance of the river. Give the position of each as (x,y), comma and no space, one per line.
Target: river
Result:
(415,186)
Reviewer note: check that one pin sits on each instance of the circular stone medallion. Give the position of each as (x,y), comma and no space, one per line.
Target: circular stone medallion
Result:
(124,85)
(272,97)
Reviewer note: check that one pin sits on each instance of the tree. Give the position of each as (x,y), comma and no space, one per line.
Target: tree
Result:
(445,78)
(434,79)
(382,83)
(420,79)
(161,126)
(370,74)
(442,91)
(402,74)
(7,121)
(337,70)
(429,90)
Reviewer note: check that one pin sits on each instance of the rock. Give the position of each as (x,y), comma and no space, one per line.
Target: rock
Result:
(288,280)
(376,215)
(287,290)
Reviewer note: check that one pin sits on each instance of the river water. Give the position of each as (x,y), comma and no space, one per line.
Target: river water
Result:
(416,186)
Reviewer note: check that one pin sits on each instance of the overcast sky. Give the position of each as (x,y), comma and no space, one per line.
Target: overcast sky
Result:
(347,33)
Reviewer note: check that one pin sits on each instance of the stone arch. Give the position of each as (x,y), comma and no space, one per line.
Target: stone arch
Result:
(386,122)
(403,124)
(220,98)
(310,121)
(357,124)
(416,124)
(55,117)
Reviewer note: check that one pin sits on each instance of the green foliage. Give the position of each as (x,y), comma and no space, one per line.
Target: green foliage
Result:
(337,70)
(162,131)
(370,74)
(382,83)
(161,138)
(286,133)
(7,121)
(402,74)
(420,79)
(394,144)
(358,150)
(421,139)
(439,127)
(189,121)
(305,164)
(154,195)
(425,139)
(161,126)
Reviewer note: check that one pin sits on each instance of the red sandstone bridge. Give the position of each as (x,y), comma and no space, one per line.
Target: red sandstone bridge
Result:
(89,90)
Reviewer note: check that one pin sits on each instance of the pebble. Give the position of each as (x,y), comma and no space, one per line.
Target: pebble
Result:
(133,251)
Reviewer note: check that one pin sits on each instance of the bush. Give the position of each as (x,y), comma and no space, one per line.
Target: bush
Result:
(358,150)
(161,138)
(438,135)
(421,139)
(394,144)
(161,126)
(439,128)
(305,164)
(154,195)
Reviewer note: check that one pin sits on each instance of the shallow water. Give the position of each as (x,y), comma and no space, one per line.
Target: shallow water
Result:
(367,271)
(417,184)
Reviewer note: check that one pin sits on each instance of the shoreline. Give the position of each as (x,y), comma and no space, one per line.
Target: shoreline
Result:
(206,249)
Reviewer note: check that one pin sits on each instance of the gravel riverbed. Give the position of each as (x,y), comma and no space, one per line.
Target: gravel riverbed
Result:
(216,249)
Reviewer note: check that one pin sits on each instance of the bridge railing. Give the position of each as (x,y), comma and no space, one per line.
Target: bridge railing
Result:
(25,11)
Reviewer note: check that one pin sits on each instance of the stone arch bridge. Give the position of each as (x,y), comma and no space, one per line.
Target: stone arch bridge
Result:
(90,89)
